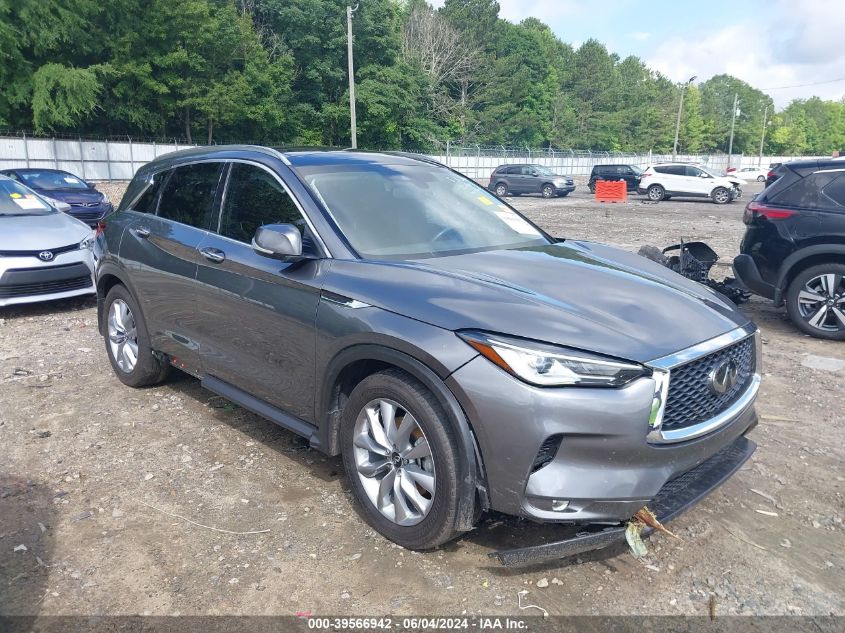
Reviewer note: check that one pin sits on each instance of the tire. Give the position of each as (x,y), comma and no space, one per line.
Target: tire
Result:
(656,193)
(501,190)
(369,470)
(592,187)
(127,336)
(548,191)
(827,281)
(721,195)
(761,179)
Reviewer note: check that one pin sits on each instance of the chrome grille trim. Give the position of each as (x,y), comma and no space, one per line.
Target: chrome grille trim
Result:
(663,378)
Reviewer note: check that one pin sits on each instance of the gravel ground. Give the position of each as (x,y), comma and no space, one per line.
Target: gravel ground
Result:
(93,476)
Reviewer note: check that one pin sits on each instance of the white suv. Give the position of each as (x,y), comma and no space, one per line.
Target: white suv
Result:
(661,182)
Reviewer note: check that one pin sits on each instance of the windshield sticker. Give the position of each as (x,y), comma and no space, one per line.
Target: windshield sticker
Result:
(15,194)
(27,202)
(517,223)
(486,200)
(72,180)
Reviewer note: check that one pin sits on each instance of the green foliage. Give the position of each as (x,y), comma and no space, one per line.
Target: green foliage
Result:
(276,71)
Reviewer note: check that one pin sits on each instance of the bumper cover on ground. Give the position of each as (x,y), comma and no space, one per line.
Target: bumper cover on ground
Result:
(675,497)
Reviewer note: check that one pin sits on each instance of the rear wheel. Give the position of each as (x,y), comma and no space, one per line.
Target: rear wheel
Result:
(721,195)
(761,179)
(401,458)
(128,342)
(548,191)
(815,301)
(592,186)
(656,193)
(501,190)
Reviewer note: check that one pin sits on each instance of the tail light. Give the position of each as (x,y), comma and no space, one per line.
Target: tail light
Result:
(771,174)
(755,210)
(101,227)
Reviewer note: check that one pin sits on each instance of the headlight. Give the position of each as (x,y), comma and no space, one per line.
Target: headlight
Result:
(106,199)
(551,366)
(559,182)
(88,242)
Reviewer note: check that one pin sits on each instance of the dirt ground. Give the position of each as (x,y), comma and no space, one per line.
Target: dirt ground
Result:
(93,474)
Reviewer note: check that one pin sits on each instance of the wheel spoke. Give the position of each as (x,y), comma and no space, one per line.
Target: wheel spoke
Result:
(810,296)
(385,489)
(376,429)
(818,318)
(402,438)
(388,419)
(413,495)
(366,442)
(419,450)
(400,506)
(829,283)
(373,468)
(420,476)
(840,315)
(130,353)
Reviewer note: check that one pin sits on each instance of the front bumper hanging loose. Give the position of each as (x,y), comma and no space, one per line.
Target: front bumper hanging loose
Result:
(677,496)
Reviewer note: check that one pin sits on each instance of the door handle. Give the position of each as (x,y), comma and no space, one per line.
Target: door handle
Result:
(141,232)
(213,255)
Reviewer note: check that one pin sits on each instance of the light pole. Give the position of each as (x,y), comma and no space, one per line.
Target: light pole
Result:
(733,125)
(678,122)
(353,123)
(763,136)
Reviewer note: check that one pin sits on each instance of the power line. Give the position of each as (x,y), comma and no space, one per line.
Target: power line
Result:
(815,83)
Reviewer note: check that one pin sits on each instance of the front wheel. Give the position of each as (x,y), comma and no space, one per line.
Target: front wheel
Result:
(721,195)
(815,301)
(128,342)
(548,191)
(655,193)
(400,455)
(761,179)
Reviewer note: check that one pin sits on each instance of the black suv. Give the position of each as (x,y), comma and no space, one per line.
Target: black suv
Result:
(793,251)
(629,173)
(518,179)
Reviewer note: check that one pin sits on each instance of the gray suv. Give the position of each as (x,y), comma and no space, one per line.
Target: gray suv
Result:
(515,180)
(459,359)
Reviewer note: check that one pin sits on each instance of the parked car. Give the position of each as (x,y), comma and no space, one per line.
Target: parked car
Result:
(751,174)
(519,179)
(86,203)
(44,254)
(629,173)
(666,180)
(793,251)
(459,358)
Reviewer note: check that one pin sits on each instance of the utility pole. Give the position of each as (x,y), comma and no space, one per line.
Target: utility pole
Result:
(763,136)
(733,124)
(678,122)
(352,117)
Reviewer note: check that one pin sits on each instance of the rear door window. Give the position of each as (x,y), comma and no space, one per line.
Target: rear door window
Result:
(516,169)
(835,190)
(188,195)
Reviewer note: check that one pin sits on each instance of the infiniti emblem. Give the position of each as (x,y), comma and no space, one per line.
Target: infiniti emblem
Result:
(724,377)
(45,256)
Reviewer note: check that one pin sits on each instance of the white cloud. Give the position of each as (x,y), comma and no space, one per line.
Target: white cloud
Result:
(791,46)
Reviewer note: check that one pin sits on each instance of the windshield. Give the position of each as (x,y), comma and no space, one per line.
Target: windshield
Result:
(710,172)
(544,171)
(49,180)
(18,200)
(407,212)
(637,170)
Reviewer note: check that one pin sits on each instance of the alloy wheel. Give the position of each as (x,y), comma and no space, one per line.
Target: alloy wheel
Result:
(821,302)
(548,191)
(394,462)
(123,336)
(501,191)
(722,195)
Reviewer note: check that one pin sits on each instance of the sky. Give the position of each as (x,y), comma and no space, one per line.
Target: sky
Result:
(777,46)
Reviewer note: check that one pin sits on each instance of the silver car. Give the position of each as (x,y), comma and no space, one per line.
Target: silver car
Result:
(44,254)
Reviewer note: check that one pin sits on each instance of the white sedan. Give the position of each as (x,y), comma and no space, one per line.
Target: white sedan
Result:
(44,254)
(750,173)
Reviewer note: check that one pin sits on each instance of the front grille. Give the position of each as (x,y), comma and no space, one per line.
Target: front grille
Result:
(84,204)
(55,251)
(691,399)
(45,288)
(87,216)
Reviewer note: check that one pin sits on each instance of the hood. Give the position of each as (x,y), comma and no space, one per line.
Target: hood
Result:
(736,181)
(40,232)
(577,294)
(72,196)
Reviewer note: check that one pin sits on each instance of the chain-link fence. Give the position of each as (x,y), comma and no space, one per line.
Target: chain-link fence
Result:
(119,158)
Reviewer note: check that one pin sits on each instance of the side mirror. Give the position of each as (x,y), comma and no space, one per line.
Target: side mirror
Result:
(278,240)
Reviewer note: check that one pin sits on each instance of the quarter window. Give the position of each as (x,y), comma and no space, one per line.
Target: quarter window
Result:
(189,194)
(836,190)
(255,198)
(147,202)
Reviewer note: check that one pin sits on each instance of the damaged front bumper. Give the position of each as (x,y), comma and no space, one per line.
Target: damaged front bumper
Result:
(676,496)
